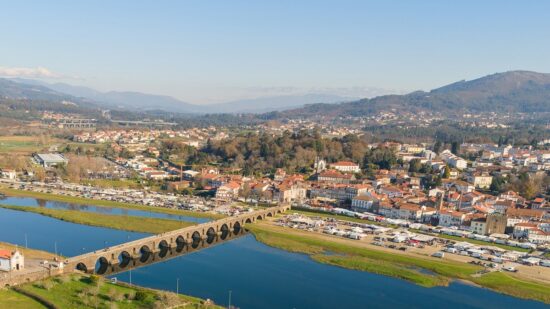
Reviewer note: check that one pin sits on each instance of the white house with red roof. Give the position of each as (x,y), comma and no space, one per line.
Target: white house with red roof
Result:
(11,260)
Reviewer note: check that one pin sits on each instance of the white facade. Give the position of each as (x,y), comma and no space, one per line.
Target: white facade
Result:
(11,260)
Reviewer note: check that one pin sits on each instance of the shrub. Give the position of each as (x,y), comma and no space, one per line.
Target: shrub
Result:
(140,296)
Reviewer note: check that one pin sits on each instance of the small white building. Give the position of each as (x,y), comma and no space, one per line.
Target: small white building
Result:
(11,260)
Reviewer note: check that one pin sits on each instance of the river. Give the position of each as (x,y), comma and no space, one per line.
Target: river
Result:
(257,275)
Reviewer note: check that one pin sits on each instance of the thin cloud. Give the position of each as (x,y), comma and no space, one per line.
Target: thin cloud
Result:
(38,72)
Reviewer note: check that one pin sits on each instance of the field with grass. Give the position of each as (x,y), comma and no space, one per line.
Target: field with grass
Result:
(87,201)
(14,300)
(79,291)
(505,283)
(411,268)
(24,144)
(110,183)
(119,222)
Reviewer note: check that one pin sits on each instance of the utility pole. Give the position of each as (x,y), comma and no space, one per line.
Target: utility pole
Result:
(177,286)
(229,302)
(55,247)
(26,244)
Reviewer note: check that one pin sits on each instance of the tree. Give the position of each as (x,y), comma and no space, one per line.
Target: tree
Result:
(455,147)
(437,146)
(446,172)
(415,165)
(498,184)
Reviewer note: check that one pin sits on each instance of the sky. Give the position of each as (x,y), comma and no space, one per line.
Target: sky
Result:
(215,51)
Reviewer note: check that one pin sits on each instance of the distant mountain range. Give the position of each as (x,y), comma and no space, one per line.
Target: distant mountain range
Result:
(137,101)
(513,91)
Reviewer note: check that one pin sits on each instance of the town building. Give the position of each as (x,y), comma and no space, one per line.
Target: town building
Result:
(50,159)
(11,260)
(346,167)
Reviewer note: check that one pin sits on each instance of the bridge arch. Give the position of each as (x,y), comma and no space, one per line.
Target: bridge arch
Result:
(248,220)
(101,265)
(145,252)
(236,227)
(163,248)
(269,214)
(124,259)
(211,235)
(180,243)
(81,267)
(196,237)
(224,231)
(259,217)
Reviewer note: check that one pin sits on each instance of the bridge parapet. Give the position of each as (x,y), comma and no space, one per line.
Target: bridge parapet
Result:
(151,245)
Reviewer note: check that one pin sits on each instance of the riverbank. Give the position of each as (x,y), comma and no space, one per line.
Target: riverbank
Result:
(119,222)
(82,291)
(27,252)
(425,271)
(87,201)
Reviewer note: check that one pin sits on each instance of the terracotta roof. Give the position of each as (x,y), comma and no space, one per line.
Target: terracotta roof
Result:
(344,163)
(5,254)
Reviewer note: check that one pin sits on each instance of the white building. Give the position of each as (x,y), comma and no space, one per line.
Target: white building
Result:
(50,159)
(11,260)
(346,167)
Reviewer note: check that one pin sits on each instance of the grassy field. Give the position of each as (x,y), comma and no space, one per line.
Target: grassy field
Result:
(396,265)
(28,253)
(23,144)
(119,222)
(109,183)
(86,201)
(13,300)
(507,284)
(77,291)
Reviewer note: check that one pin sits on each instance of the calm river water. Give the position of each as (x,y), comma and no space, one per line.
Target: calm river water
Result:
(258,276)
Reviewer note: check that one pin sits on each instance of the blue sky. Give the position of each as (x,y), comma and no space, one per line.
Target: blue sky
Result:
(211,51)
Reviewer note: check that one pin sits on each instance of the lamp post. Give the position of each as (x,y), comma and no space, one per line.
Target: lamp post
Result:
(177,286)
(229,302)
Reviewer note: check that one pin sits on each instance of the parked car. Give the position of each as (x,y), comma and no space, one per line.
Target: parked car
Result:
(438,254)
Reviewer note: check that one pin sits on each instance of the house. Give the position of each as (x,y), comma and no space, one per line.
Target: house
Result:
(363,203)
(280,175)
(8,173)
(228,191)
(482,181)
(50,159)
(335,176)
(346,167)
(451,218)
(479,226)
(11,260)
(538,203)
(453,160)
(288,192)
(413,212)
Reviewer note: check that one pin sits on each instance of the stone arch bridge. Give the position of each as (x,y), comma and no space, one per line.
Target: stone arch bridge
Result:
(167,245)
